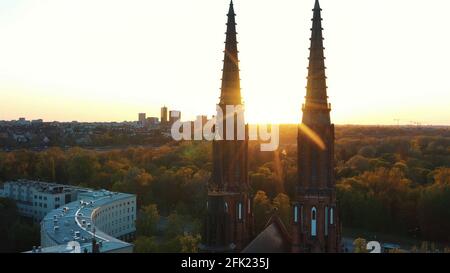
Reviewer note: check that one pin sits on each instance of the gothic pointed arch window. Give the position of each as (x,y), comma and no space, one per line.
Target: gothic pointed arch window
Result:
(296,214)
(313,221)
(240,211)
(226,207)
(331,216)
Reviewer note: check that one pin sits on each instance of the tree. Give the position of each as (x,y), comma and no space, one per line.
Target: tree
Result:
(442,176)
(189,243)
(16,234)
(434,212)
(283,204)
(144,244)
(82,166)
(367,151)
(148,220)
(359,163)
(266,181)
(360,245)
(262,210)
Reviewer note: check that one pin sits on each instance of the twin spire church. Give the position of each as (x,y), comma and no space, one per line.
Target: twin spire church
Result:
(314,225)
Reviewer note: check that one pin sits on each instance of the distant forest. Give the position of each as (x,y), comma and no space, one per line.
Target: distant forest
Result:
(389,179)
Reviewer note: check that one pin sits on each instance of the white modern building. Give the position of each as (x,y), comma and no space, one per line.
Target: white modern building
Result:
(35,199)
(108,217)
(74,219)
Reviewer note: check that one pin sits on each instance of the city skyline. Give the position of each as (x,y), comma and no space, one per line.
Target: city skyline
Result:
(87,69)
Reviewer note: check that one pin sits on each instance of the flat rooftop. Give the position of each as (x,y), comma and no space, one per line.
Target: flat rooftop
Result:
(74,223)
(45,187)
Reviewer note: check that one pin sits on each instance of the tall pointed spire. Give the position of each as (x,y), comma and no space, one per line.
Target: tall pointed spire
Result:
(231,88)
(316,89)
(229,218)
(318,228)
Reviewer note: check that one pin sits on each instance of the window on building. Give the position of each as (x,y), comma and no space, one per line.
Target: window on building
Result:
(296,214)
(326,221)
(249,204)
(240,210)
(313,222)
(331,216)
(226,206)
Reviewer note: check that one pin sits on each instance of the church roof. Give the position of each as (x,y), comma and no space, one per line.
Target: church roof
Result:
(273,239)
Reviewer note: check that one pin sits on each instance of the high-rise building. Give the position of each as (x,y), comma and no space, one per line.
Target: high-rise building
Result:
(164,118)
(316,225)
(229,220)
(141,119)
(174,116)
(152,121)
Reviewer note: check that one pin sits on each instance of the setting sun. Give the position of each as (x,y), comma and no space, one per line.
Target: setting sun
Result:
(60,61)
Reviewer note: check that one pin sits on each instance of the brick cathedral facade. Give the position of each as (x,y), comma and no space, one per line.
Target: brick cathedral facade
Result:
(315,225)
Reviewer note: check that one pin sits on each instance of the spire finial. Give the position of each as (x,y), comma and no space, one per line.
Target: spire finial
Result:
(231,11)
(316,90)
(231,93)
(316,6)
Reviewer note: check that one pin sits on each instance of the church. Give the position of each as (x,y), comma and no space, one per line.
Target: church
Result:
(314,225)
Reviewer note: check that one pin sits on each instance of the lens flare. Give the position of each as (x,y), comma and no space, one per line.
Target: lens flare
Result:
(313,136)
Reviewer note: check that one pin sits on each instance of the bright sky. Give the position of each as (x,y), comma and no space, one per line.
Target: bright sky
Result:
(107,60)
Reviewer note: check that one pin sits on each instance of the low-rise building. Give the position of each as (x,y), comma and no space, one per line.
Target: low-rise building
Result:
(35,199)
(75,219)
(108,217)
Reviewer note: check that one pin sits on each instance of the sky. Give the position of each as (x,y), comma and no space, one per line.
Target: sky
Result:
(108,60)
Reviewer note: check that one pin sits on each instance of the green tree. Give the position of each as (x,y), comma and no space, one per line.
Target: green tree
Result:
(189,243)
(144,244)
(147,222)
(262,210)
(283,205)
(360,245)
